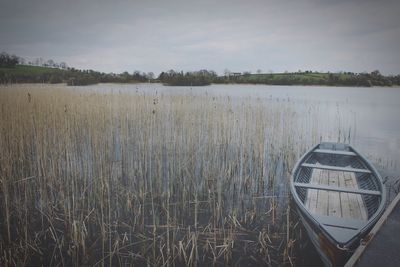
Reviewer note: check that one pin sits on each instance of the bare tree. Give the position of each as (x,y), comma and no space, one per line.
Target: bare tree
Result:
(150,75)
(50,63)
(21,60)
(227,72)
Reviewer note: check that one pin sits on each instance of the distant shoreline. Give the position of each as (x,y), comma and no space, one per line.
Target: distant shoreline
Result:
(38,74)
(199,86)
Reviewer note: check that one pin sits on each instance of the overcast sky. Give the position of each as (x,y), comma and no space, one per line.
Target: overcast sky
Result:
(157,35)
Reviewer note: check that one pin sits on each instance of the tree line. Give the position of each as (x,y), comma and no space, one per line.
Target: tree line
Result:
(86,77)
(194,78)
(206,77)
(375,78)
(14,69)
(8,61)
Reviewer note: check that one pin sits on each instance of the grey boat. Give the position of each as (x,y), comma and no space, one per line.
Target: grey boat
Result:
(339,196)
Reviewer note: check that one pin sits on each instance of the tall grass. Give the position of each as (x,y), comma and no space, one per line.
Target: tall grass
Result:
(119,179)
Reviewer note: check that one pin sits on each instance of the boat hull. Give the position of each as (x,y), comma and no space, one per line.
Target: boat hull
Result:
(329,253)
(336,236)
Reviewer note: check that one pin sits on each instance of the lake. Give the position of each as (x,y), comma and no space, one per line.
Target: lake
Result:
(151,168)
(370,115)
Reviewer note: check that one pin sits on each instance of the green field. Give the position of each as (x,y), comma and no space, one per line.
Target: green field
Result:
(71,76)
(312,75)
(306,77)
(30,70)
(374,78)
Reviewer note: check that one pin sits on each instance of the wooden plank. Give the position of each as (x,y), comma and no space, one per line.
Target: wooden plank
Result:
(344,198)
(334,197)
(354,208)
(312,194)
(360,201)
(335,168)
(335,152)
(322,204)
(338,189)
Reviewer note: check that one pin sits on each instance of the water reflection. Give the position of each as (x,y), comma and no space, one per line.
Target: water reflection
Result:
(370,115)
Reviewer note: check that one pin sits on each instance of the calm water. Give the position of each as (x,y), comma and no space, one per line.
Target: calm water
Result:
(371,116)
(368,118)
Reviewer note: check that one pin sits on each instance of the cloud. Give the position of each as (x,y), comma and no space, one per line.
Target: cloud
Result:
(157,35)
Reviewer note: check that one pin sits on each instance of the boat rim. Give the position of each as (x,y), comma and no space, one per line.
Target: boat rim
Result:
(310,217)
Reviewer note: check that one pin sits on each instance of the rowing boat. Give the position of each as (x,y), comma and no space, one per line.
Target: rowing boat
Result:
(339,196)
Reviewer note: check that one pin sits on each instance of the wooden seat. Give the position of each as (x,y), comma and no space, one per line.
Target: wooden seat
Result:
(338,189)
(335,152)
(334,168)
(335,203)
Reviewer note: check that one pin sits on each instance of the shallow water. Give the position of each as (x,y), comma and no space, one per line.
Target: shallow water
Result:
(370,116)
(296,117)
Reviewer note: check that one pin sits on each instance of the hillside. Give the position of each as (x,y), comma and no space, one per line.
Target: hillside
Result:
(71,76)
(33,74)
(314,78)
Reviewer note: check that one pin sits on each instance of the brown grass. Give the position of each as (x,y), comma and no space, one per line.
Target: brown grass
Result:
(91,178)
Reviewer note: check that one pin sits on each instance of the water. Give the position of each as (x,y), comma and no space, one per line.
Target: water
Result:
(371,116)
(364,117)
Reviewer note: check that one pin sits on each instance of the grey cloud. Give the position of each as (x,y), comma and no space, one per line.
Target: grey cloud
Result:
(157,35)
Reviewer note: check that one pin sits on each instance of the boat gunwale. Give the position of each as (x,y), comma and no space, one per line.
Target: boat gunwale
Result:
(305,212)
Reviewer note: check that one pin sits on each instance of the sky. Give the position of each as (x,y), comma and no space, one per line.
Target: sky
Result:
(246,35)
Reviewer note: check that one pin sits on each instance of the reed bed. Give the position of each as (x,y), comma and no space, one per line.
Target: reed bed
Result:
(117,179)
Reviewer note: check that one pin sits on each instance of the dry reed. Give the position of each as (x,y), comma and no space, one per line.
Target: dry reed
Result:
(102,179)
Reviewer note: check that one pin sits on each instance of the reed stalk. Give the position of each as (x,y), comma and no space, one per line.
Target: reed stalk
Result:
(143,178)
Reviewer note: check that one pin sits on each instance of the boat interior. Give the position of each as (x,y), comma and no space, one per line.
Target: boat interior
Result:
(338,189)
